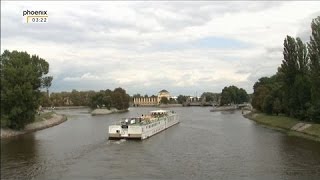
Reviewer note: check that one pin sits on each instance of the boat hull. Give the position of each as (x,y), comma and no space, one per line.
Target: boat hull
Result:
(141,132)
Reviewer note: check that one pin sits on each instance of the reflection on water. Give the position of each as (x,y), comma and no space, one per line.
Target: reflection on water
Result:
(205,145)
(298,155)
(22,153)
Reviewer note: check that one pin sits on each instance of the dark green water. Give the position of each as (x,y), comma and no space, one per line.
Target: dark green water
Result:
(205,145)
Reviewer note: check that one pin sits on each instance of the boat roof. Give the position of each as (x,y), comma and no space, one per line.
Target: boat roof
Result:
(159,111)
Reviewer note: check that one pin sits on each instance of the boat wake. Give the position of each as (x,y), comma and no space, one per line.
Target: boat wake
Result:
(116,141)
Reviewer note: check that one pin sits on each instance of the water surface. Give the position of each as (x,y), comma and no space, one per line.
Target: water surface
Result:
(205,145)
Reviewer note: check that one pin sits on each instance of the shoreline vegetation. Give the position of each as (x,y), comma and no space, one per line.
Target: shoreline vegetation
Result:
(105,111)
(291,126)
(224,108)
(295,88)
(45,120)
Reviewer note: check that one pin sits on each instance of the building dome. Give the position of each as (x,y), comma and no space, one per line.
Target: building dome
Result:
(163,91)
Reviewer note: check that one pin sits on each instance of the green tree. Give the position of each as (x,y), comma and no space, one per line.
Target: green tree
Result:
(268,104)
(295,89)
(120,98)
(182,99)
(226,96)
(164,100)
(97,101)
(294,73)
(45,100)
(314,55)
(233,95)
(260,93)
(137,96)
(210,97)
(21,79)
(46,83)
(242,96)
(276,106)
(75,98)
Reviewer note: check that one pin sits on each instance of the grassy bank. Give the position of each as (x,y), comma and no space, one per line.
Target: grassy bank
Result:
(43,116)
(42,121)
(286,124)
(105,111)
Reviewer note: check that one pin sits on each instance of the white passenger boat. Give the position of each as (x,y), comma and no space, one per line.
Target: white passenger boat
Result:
(144,126)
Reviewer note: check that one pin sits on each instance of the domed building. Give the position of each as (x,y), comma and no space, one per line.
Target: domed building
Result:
(151,101)
(163,93)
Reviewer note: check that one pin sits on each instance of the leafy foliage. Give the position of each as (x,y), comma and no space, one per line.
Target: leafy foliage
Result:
(182,99)
(22,76)
(210,97)
(314,55)
(164,100)
(233,95)
(295,89)
(118,98)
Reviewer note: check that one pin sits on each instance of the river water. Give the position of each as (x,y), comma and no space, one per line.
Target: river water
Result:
(205,145)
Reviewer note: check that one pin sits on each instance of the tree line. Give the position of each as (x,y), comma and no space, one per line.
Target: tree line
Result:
(229,95)
(118,98)
(23,76)
(295,89)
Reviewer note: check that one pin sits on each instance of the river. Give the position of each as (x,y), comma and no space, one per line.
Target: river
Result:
(205,145)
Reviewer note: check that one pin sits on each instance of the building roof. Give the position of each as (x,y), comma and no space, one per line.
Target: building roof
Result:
(163,90)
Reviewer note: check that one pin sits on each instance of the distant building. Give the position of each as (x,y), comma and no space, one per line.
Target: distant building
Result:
(163,93)
(145,101)
(151,101)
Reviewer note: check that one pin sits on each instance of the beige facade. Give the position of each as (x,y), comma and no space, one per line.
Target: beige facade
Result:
(143,101)
(151,101)
(163,93)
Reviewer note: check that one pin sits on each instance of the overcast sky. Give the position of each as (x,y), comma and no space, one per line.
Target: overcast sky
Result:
(144,47)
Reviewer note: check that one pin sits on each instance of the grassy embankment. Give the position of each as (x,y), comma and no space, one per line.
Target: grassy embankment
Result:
(43,116)
(42,121)
(285,124)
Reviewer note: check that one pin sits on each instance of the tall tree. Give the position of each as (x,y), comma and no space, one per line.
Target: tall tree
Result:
(314,55)
(46,83)
(294,71)
(21,80)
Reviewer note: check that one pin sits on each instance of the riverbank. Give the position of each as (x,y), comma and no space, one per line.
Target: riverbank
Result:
(286,124)
(224,108)
(39,124)
(65,107)
(105,111)
(169,105)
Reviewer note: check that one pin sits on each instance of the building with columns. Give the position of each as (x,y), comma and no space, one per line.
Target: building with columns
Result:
(151,101)
(145,101)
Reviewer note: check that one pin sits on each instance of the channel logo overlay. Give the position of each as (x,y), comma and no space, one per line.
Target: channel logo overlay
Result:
(35,16)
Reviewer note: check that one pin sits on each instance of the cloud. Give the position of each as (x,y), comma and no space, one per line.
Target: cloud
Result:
(84,77)
(184,47)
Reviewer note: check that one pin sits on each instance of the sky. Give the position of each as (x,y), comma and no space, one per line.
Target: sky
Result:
(184,47)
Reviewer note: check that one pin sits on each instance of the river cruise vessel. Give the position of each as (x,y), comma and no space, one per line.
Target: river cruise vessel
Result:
(144,126)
